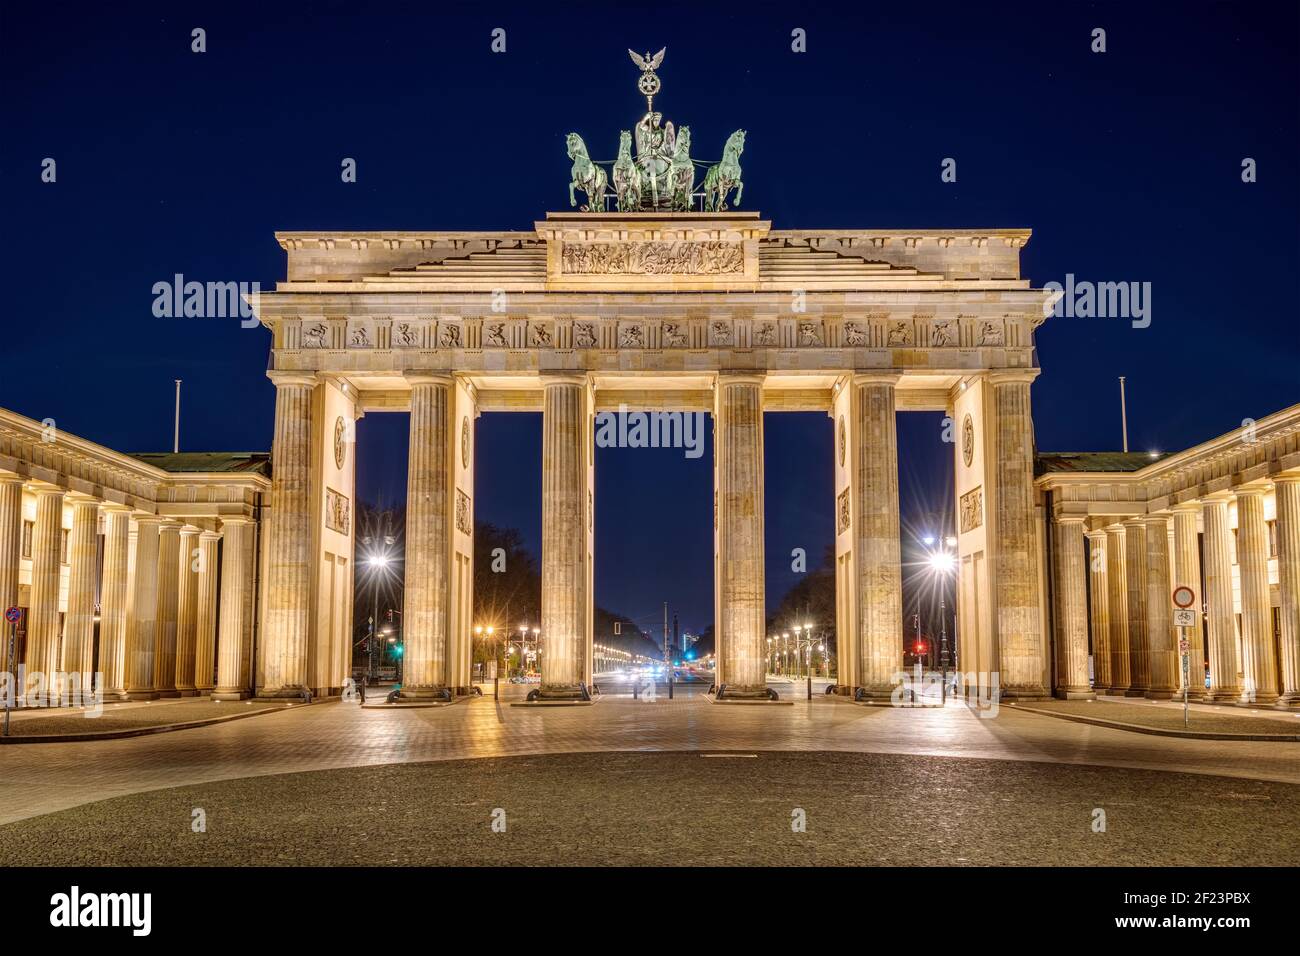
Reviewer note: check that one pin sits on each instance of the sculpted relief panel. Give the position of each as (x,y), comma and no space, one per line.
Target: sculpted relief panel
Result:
(652,258)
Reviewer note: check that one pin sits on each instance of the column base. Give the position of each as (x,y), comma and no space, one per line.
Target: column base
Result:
(1288,701)
(229,694)
(1135,692)
(1261,700)
(1075,693)
(169,693)
(425,692)
(560,692)
(1220,697)
(187,692)
(141,695)
(203,691)
(288,692)
(1162,694)
(745,692)
(1023,693)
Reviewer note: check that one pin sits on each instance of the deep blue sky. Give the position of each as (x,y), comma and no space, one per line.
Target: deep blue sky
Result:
(1125,164)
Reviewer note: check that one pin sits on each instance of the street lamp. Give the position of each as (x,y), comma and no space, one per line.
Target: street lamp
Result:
(943,563)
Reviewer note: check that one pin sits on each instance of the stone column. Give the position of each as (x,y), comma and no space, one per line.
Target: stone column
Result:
(112,602)
(741,615)
(1071,611)
(1287,490)
(1163,662)
(1022,654)
(1099,611)
(43,614)
(1187,573)
(877,559)
(164,660)
(236,587)
(142,622)
(1259,667)
(564,535)
(78,655)
(429,519)
(1218,598)
(205,613)
(1135,562)
(289,567)
(187,610)
(1117,603)
(11,544)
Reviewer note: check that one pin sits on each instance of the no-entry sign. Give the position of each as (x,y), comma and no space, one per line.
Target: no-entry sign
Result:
(1184,596)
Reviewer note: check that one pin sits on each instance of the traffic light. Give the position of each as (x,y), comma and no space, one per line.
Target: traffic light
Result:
(390,615)
(920,647)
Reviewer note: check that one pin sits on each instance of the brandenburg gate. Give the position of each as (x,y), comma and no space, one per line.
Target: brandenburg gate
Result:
(692,311)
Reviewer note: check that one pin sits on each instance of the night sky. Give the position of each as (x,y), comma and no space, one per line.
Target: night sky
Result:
(1127,166)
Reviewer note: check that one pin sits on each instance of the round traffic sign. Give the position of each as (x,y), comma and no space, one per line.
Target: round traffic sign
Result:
(12,615)
(1184,596)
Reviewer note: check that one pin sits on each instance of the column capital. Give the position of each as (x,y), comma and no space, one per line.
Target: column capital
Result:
(46,490)
(563,378)
(728,376)
(235,520)
(882,377)
(1163,517)
(1286,478)
(1187,507)
(1095,534)
(430,377)
(7,478)
(1071,519)
(158,520)
(283,378)
(209,535)
(1248,491)
(1011,376)
(113,507)
(82,501)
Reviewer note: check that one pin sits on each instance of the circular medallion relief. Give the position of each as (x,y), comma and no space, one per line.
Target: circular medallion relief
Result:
(967,441)
(340,444)
(464,442)
(843,441)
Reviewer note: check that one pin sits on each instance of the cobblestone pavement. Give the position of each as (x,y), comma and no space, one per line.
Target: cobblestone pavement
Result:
(760,808)
(40,778)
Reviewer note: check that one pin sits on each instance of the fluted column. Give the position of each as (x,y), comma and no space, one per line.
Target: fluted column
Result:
(236,587)
(78,654)
(1259,664)
(1135,562)
(1099,608)
(187,571)
(1162,647)
(741,628)
(877,558)
(112,602)
(205,613)
(1022,653)
(1218,598)
(288,592)
(1287,489)
(429,478)
(1187,573)
(564,535)
(164,661)
(11,543)
(1117,602)
(43,615)
(142,622)
(1071,610)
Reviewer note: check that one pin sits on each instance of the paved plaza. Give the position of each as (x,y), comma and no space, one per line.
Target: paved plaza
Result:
(1015,788)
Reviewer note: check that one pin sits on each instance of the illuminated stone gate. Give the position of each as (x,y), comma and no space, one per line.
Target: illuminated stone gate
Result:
(691,311)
